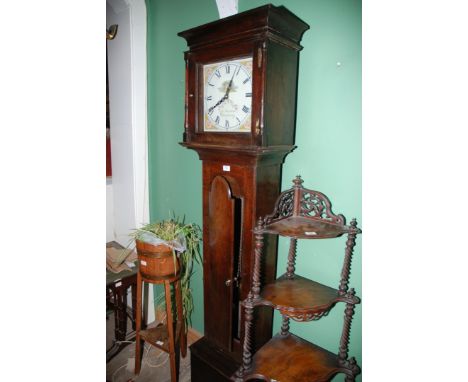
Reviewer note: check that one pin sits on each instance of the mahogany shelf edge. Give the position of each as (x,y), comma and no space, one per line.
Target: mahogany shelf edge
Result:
(304,227)
(290,358)
(300,298)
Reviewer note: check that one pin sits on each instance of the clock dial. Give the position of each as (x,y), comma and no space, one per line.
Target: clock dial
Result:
(228,96)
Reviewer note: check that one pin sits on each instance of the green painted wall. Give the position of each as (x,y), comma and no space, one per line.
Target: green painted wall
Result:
(328,136)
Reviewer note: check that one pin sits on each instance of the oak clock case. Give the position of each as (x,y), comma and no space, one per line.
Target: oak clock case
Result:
(240,102)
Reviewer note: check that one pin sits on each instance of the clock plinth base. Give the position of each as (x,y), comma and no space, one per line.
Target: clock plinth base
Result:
(209,362)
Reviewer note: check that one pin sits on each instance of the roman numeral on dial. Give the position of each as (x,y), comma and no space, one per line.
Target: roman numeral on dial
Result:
(245,109)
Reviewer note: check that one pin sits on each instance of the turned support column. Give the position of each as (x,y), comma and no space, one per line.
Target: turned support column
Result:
(247,354)
(350,243)
(285,326)
(253,295)
(257,259)
(349,312)
(291,269)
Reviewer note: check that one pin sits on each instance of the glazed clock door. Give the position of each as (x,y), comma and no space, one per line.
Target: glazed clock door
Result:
(219,298)
(227,94)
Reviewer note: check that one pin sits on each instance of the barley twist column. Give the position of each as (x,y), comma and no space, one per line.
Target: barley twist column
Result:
(249,304)
(291,259)
(349,312)
(291,268)
(247,354)
(285,326)
(350,243)
(257,259)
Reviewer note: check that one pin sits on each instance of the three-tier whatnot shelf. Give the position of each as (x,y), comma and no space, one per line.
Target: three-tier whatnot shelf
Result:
(299,213)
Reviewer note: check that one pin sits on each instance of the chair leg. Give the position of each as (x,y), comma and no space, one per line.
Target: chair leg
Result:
(115,308)
(138,342)
(122,313)
(180,316)
(134,302)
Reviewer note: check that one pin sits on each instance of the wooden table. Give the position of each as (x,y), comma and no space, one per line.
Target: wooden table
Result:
(117,285)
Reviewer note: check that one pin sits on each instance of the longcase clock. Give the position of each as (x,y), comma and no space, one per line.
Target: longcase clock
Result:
(240,106)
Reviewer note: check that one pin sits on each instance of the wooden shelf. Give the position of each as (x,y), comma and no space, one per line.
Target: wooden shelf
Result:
(304,227)
(298,295)
(159,336)
(292,359)
(299,213)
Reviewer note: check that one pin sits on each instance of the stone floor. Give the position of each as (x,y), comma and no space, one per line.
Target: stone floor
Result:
(155,363)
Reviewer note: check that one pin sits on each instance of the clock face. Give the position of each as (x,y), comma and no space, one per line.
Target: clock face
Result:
(227,96)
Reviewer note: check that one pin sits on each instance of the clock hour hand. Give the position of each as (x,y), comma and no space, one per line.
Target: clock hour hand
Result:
(218,103)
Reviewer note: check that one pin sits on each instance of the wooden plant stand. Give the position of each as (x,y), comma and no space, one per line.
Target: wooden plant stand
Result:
(299,214)
(169,337)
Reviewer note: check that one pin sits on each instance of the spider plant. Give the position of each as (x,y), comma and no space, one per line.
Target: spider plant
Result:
(171,230)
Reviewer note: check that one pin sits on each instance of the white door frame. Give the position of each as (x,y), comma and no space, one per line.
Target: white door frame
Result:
(128,120)
(128,116)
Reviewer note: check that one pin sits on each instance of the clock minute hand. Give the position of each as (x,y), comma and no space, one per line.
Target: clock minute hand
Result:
(230,85)
(225,97)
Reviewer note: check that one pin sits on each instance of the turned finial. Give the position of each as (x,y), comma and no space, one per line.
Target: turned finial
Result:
(259,223)
(298,181)
(354,227)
